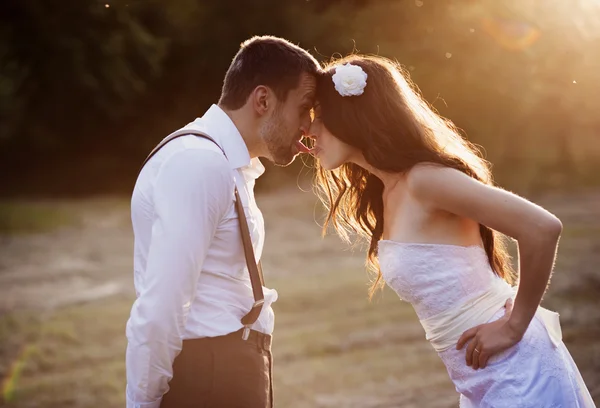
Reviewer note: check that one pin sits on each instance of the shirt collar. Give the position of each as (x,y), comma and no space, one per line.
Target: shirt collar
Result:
(217,124)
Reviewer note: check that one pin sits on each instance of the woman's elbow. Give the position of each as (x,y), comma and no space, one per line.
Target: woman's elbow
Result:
(551,227)
(540,232)
(541,229)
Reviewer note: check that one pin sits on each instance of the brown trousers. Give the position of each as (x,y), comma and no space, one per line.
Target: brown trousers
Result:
(222,372)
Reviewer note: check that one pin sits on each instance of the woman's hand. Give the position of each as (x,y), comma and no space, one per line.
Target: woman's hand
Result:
(489,339)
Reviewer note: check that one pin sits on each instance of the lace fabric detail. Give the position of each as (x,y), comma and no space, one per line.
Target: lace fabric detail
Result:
(533,373)
(434,278)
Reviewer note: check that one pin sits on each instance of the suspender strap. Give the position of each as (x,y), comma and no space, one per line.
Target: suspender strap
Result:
(254,269)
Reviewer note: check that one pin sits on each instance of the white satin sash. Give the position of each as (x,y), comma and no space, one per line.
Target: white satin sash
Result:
(444,329)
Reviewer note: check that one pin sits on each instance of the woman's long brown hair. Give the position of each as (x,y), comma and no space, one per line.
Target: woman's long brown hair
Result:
(395,129)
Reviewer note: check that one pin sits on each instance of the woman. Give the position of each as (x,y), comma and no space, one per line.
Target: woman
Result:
(393,171)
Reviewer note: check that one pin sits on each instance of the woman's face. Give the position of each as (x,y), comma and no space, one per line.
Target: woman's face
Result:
(330,150)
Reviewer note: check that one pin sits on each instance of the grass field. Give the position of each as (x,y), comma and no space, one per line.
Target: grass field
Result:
(66,290)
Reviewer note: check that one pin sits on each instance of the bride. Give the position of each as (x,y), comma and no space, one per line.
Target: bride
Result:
(392,170)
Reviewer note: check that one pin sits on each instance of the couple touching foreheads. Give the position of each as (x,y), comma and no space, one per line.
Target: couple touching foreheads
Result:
(390,170)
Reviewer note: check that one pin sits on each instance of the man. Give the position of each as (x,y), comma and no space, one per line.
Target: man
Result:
(185,344)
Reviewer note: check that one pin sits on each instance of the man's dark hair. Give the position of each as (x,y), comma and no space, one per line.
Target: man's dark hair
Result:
(268,61)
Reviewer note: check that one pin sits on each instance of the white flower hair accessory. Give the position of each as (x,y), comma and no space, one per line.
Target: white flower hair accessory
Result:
(349,80)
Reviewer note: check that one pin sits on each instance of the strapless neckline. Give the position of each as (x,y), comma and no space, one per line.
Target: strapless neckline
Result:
(434,277)
(430,245)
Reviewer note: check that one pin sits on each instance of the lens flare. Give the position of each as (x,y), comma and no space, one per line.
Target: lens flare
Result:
(513,35)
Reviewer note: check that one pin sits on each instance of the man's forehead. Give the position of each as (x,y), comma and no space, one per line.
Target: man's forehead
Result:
(305,90)
(307,85)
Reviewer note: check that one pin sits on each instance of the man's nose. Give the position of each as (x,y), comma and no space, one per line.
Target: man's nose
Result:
(305,129)
(305,125)
(310,132)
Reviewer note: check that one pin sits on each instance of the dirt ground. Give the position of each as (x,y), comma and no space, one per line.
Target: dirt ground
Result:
(65,297)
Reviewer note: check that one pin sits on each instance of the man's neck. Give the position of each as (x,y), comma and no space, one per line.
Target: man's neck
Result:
(245,126)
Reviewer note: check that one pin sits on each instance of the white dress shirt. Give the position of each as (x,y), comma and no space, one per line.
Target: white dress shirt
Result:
(190,272)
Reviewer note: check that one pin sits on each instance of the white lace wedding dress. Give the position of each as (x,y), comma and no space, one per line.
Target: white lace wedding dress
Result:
(537,372)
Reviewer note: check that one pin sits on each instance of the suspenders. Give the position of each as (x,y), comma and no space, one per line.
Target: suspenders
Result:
(254,269)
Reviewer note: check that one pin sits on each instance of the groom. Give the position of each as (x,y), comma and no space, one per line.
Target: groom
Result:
(186,344)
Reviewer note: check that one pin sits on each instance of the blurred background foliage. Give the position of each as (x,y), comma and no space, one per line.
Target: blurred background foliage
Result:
(88,87)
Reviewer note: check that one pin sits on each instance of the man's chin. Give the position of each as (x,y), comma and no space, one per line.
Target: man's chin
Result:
(284,161)
(284,158)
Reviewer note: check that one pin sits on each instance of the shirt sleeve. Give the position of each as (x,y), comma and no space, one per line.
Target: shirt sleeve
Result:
(192,192)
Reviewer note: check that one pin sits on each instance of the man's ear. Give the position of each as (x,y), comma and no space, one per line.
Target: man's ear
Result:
(261,100)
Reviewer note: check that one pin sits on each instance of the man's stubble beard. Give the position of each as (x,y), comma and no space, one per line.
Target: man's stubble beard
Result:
(274,134)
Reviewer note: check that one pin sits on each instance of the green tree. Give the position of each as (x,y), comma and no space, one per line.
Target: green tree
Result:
(66,69)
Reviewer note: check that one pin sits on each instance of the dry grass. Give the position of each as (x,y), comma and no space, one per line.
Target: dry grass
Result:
(17,217)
